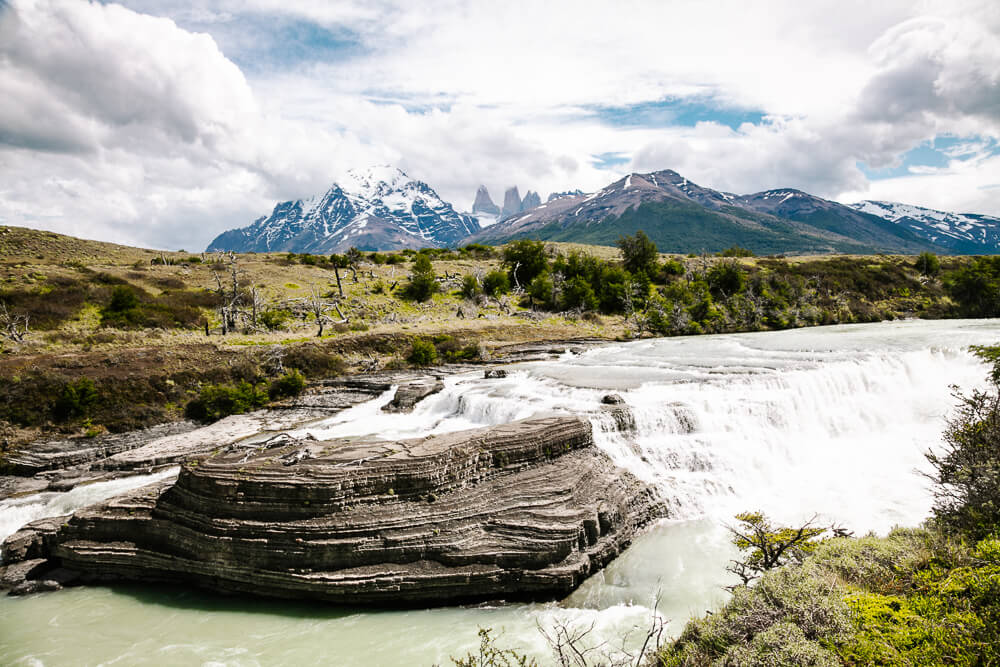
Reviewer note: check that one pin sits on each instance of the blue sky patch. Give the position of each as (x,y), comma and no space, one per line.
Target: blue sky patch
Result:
(934,153)
(675,112)
(608,160)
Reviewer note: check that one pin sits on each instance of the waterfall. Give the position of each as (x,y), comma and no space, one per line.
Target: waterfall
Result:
(830,420)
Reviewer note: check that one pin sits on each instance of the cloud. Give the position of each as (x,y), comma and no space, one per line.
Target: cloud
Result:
(163,125)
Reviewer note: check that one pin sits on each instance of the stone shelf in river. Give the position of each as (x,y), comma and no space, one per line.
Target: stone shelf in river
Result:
(525,510)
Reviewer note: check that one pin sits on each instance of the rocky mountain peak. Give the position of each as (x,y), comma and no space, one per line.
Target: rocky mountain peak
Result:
(484,203)
(531,200)
(376,208)
(511,203)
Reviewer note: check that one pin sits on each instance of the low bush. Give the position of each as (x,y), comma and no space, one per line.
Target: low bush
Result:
(76,400)
(422,352)
(314,361)
(496,283)
(290,384)
(274,319)
(221,400)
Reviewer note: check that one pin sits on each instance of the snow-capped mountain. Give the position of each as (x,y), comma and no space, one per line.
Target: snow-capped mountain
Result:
(682,216)
(379,208)
(959,232)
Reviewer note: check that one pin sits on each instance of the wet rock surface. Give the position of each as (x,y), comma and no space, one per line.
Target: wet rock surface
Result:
(524,510)
(408,395)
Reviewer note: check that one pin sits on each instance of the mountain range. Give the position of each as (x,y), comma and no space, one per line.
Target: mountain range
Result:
(960,233)
(682,216)
(381,208)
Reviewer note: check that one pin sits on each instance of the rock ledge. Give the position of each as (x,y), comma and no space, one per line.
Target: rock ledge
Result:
(521,511)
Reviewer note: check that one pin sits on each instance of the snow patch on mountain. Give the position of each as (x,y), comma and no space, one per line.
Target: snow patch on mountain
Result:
(964,232)
(378,208)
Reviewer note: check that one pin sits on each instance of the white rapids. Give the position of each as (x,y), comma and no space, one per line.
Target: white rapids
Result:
(831,421)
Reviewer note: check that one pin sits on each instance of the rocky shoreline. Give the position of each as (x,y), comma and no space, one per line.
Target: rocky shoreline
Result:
(521,511)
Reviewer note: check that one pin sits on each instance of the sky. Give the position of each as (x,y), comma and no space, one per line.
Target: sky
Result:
(161,124)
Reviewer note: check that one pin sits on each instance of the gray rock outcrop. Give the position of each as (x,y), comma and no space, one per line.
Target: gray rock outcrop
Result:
(483,202)
(526,510)
(531,200)
(511,203)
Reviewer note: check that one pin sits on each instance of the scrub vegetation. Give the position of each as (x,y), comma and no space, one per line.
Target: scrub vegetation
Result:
(156,332)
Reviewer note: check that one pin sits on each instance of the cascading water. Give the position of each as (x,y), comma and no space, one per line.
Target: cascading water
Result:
(832,420)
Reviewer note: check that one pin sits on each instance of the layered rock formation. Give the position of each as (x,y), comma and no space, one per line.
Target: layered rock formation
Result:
(525,510)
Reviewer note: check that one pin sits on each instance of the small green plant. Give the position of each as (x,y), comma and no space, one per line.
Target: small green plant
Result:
(928,264)
(422,352)
(221,400)
(470,287)
(274,319)
(496,283)
(290,384)
(489,655)
(423,283)
(76,400)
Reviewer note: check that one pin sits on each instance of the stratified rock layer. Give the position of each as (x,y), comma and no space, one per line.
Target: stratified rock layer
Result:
(525,510)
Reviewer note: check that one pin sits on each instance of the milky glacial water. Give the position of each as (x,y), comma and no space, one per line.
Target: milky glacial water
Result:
(828,420)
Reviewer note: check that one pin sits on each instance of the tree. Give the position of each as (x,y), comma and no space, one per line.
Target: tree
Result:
(542,290)
(725,279)
(976,287)
(524,260)
(13,326)
(496,283)
(928,264)
(423,282)
(639,253)
(470,286)
(967,470)
(577,293)
(770,546)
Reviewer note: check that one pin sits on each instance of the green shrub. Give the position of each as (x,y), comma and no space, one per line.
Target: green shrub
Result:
(736,251)
(313,361)
(274,319)
(542,290)
(451,349)
(422,352)
(76,400)
(639,253)
(577,293)
(291,383)
(967,470)
(470,287)
(524,260)
(928,264)
(221,400)
(423,283)
(495,283)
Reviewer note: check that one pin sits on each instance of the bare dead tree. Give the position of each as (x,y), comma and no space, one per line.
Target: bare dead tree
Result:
(316,305)
(13,326)
(569,643)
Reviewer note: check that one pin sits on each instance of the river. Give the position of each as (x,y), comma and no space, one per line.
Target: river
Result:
(828,420)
